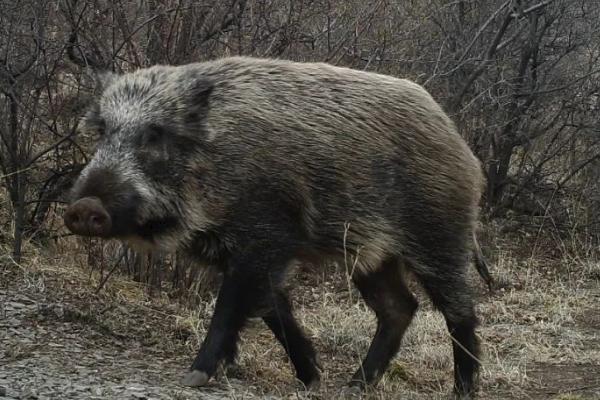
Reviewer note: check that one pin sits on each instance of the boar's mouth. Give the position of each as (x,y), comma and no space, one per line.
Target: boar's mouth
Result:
(91,217)
(152,228)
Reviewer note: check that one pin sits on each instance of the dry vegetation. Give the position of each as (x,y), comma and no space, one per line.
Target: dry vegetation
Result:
(521,78)
(540,330)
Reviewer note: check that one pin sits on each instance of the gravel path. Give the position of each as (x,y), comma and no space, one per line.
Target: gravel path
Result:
(44,355)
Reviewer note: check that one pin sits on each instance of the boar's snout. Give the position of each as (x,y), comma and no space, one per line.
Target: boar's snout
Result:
(88,217)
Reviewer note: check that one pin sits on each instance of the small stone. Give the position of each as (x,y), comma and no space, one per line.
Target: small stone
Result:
(2,391)
(195,378)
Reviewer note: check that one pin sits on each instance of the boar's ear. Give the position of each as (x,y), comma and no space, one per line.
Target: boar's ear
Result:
(198,98)
(104,79)
(92,123)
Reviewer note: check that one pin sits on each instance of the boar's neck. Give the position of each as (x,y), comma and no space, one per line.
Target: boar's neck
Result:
(208,247)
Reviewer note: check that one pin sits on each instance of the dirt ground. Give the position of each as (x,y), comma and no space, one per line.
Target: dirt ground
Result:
(59,339)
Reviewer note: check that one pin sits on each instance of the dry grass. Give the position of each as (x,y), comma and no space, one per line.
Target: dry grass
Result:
(543,316)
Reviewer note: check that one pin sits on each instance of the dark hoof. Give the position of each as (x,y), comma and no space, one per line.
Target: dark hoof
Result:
(195,378)
(463,396)
(464,391)
(314,386)
(358,384)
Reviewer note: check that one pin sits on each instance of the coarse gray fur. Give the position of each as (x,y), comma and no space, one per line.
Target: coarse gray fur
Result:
(363,166)
(383,141)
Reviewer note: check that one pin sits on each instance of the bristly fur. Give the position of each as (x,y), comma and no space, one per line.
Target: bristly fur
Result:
(348,148)
(305,158)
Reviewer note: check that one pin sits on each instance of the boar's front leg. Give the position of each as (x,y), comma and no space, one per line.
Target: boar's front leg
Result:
(249,278)
(221,339)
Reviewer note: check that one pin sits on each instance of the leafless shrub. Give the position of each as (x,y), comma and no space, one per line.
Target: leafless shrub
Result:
(521,78)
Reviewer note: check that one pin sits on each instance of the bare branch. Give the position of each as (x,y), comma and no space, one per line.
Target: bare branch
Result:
(532,9)
(81,59)
(560,88)
(576,170)
(488,57)
(480,31)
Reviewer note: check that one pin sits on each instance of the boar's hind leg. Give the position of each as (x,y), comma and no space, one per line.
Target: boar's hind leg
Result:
(286,329)
(385,291)
(445,283)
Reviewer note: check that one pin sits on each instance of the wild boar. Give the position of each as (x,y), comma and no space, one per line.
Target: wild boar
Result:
(255,164)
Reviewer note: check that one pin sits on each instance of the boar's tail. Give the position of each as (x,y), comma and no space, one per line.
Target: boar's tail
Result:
(481,264)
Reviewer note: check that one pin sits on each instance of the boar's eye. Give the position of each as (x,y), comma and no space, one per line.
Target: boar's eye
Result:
(100,127)
(153,135)
(94,124)
(152,145)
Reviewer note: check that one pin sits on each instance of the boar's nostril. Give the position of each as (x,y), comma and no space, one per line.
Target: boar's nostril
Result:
(97,222)
(88,217)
